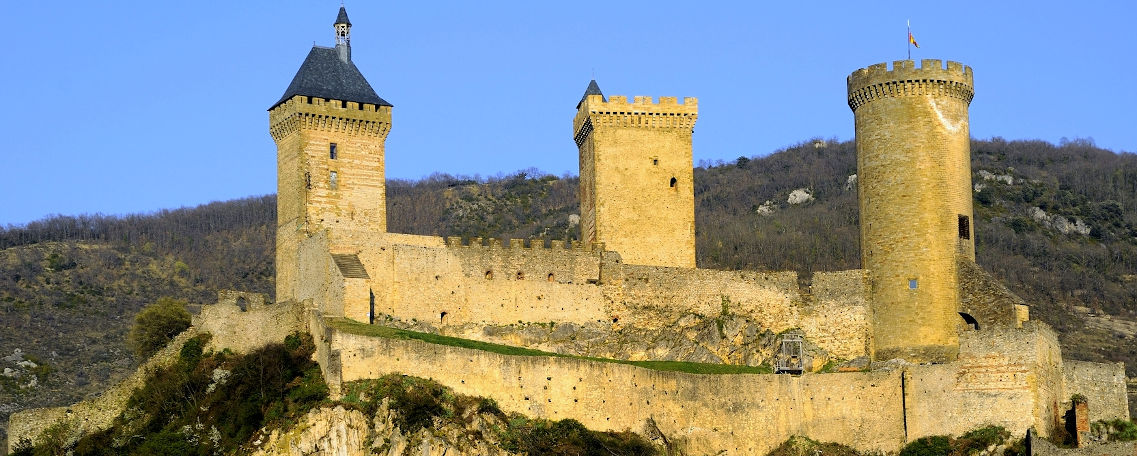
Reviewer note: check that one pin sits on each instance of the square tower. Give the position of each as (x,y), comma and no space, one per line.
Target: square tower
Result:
(330,128)
(636,185)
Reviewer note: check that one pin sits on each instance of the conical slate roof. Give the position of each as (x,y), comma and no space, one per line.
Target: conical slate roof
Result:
(342,17)
(593,89)
(323,74)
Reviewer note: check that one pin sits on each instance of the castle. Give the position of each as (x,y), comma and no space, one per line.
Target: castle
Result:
(969,354)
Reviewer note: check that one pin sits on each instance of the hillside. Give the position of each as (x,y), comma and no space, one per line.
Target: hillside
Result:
(1058,224)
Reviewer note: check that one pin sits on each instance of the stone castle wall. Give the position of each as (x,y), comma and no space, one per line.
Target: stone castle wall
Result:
(1003,376)
(986,300)
(914,174)
(741,414)
(453,282)
(1006,376)
(243,322)
(1102,384)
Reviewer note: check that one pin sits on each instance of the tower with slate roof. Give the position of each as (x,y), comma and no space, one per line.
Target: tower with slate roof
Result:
(636,185)
(329,127)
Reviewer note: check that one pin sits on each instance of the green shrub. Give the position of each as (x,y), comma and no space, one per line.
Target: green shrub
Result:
(936,445)
(156,325)
(803,446)
(1116,430)
(273,385)
(980,439)
(1016,448)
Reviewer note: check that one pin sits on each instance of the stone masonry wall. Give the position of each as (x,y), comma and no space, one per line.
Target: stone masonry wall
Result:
(1003,376)
(987,300)
(835,314)
(492,283)
(739,414)
(1011,377)
(243,330)
(1043,447)
(1103,385)
(422,278)
(323,284)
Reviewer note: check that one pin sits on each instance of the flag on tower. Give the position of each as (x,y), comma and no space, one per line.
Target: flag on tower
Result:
(911,39)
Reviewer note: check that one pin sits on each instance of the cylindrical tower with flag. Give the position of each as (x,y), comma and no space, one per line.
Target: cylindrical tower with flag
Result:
(914,179)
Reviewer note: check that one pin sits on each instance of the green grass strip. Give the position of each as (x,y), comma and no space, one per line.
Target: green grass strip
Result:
(354,327)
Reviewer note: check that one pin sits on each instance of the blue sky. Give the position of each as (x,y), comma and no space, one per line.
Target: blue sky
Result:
(125,107)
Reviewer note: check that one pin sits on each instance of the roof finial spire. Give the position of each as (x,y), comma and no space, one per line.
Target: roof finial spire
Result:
(343,34)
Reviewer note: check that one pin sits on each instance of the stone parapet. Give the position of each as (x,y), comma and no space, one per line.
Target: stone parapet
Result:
(904,79)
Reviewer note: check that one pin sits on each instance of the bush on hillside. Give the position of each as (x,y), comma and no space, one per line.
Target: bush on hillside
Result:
(156,325)
(972,442)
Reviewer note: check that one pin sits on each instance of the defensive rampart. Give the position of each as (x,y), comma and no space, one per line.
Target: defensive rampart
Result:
(1003,376)
(243,322)
(453,281)
(738,413)
(1011,377)
(1103,386)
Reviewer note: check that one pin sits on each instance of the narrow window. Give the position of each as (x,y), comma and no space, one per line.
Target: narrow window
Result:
(332,151)
(489,275)
(912,284)
(551,277)
(673,182)
(308,181)
(964,227)
(655,161)
(332,181)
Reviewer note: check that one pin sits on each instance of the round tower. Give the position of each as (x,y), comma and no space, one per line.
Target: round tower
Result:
(914,175)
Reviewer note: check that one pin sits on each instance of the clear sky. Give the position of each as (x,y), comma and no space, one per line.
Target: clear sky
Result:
(123,107)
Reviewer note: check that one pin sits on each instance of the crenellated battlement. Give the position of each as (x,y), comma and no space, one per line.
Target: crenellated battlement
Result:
(642,111)
(521,244)
(905,79)
(302,112)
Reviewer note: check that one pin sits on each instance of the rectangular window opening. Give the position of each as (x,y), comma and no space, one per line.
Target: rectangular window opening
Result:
(332,151)
(964,227)
(912,284)
(332,181)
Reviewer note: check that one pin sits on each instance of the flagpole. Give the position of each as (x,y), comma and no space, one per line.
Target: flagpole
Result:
(909,39)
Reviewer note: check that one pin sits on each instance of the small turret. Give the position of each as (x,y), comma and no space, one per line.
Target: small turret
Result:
(593,89)
(343,35)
